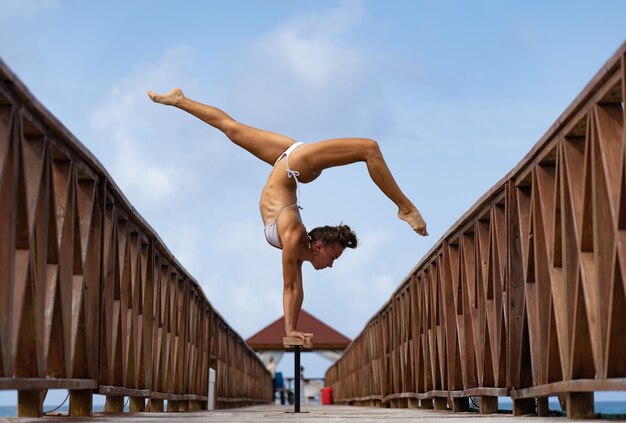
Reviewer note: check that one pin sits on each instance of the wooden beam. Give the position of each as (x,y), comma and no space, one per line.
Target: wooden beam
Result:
(122,392)
(580,385)
(26,384)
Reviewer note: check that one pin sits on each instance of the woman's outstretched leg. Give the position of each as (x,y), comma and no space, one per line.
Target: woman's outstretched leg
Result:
(343,151)
(265,145)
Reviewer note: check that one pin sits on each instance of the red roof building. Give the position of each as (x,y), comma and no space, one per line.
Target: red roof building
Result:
(324,337)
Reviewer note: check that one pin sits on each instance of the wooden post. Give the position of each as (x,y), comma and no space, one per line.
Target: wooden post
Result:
(114,404)
(441,403)
(523,406)
(137,404)
(172,406)
(81,402)
(155,405)
(563,401)
(543,409)
(580,405)
(426,404)
(291,342)
(488,404)
(460,404)
(193,405)
(30,403)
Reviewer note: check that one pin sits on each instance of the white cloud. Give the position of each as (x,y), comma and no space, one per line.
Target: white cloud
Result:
(309,49)
(155,153)
(311,80)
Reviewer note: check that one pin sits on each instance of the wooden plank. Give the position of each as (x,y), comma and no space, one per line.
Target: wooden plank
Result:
(122,392)
(581,385)
(401,395)
(165,396)
(480,391)
(24,384)
(434,394)
(292,341)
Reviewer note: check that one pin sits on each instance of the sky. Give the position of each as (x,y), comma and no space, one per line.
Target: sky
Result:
(455,92)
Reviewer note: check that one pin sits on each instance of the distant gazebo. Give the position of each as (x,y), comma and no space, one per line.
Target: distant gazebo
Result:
(326,341)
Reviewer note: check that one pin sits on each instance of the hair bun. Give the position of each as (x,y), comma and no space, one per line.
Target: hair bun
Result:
(341,234)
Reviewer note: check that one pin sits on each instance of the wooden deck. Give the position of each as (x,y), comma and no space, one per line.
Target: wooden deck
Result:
(315,413)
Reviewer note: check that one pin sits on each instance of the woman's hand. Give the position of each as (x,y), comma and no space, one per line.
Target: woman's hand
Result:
(301,335)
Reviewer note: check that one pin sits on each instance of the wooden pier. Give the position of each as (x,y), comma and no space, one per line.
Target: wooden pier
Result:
(525,296)
(311,414)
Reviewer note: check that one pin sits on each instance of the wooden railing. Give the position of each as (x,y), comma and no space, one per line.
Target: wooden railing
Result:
(91,300)
(525,295)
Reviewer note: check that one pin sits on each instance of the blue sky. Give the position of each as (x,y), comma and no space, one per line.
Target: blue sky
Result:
(456,93)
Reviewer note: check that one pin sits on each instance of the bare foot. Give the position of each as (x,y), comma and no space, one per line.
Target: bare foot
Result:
(170,99)
(415,220)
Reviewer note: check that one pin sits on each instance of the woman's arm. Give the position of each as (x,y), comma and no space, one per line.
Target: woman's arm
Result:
(293,292)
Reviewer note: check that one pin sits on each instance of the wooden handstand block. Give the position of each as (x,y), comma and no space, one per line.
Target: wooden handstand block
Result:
(293,341)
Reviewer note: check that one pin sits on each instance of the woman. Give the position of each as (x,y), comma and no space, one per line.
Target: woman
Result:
(294,163)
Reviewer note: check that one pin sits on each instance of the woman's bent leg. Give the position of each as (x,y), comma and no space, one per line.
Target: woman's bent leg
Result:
(343,151)
(265,145)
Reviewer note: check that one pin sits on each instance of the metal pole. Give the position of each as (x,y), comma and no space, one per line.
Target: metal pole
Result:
(296,379)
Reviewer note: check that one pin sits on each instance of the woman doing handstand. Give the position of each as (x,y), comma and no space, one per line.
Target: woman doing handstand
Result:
(294,163)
